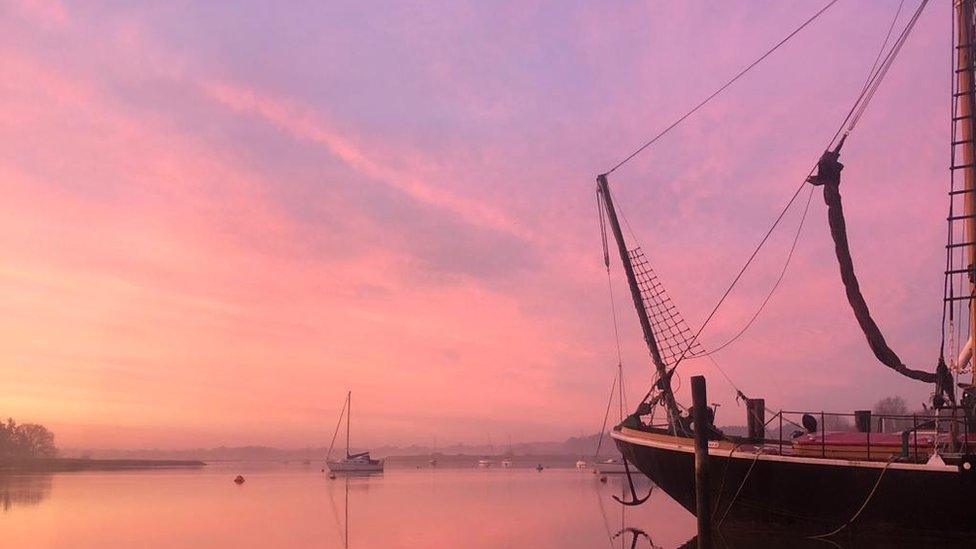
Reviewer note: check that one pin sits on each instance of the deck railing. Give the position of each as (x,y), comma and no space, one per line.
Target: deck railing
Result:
(956,425)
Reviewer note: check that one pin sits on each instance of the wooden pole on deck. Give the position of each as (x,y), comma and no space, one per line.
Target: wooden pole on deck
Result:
(703,505)
(756,419)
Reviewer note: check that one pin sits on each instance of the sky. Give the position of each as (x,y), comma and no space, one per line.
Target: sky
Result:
(218,217)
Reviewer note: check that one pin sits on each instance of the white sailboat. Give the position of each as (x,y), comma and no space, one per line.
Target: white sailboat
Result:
(486,462)
(507,462)
(352,463)
(581,463)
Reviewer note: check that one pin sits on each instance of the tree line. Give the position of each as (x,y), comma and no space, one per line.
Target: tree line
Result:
(26,440)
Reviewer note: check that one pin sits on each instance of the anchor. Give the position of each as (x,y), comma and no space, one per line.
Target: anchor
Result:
(633,492)
(636,533)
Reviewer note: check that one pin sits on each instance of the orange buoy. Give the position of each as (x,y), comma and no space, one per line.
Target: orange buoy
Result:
(239,479)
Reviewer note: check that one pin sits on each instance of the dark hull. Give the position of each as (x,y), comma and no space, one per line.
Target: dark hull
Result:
(814,498)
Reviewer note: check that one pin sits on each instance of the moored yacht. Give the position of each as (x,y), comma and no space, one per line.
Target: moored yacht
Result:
(353,463)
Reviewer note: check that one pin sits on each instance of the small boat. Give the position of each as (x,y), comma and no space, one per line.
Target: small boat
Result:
(507,462)
(352,463)
(581,464)
(486,462)
(609,467)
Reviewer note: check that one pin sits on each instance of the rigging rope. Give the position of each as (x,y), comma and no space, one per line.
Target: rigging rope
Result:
(850,121)
(806,209)
(863,505)
(828,175)
(769,296)
(603,429)
(339,424)
(613,309)
(740,74)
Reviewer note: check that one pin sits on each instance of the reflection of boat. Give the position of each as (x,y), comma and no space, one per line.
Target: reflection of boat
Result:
(352,463)
(815,481)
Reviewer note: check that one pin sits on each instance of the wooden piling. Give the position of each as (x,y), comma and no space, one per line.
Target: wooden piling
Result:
(756,419)
(703,503)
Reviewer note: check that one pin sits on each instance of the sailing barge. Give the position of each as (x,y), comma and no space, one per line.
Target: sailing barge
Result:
(895,472)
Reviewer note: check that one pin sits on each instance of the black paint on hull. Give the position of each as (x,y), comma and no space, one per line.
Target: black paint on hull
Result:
(815,498)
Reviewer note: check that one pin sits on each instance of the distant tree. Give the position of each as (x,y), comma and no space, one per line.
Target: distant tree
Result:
(37,441)
(835,423)
(7,438)
(891,406)
(26,440)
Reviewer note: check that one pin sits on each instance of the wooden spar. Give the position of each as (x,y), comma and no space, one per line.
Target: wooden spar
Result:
(645,322)
(703,503)
(965,112)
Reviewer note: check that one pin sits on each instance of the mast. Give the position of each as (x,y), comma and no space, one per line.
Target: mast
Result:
(348,419)
(664,382)
(965,112)
(620,388)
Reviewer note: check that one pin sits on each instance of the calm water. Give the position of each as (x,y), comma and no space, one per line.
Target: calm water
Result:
(291,505)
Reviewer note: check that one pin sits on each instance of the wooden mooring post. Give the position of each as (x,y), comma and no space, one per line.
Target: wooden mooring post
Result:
(703,504)
(756,419)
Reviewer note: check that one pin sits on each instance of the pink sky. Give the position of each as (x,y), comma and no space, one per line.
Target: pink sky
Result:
(217,217)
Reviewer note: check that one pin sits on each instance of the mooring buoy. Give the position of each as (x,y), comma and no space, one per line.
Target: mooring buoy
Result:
(239,479)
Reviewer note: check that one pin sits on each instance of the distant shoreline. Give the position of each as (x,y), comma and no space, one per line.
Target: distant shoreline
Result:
(59,465)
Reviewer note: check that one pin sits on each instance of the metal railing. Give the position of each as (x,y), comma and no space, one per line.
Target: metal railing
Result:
(950,421)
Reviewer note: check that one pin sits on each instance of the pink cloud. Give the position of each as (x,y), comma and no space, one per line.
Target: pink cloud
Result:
(303,123)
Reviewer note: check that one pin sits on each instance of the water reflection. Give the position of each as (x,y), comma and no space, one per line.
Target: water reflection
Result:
(637,529)
(286,505)
(627,535)
(360,483)
(23,490)
(635,536)
(859,540)
(497,508)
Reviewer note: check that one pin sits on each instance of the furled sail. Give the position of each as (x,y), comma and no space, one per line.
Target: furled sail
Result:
(828,176)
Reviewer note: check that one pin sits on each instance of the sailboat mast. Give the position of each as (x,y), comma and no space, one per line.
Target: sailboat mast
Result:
(965,112)
(620,388)
(348,419)
(635,292)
